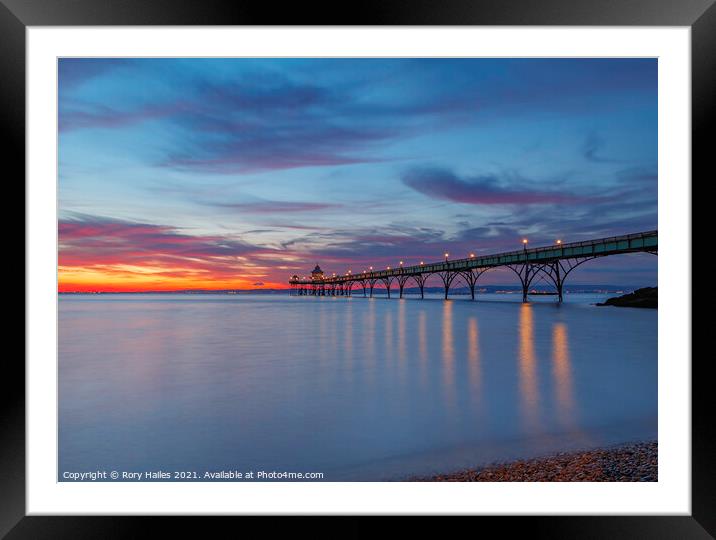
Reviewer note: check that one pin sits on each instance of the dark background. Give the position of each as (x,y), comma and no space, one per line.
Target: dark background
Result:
(15,15)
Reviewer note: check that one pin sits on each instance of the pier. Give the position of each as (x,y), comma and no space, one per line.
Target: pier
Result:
(554,263)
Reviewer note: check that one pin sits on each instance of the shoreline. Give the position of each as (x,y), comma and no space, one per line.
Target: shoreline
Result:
(631,462)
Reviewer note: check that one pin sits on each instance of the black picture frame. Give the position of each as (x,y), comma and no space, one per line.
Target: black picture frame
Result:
(16,15)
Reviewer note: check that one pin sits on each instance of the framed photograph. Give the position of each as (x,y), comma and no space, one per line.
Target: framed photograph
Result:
(419,261)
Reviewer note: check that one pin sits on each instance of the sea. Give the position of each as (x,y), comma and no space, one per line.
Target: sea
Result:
(193,387)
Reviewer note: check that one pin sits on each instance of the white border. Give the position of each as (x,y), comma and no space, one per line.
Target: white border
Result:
(671,495)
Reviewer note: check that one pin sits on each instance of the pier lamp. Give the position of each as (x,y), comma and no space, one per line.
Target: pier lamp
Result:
(559,242)
(446,256)
(421,263)
(472,255)
(389,268)
(350,271)
(524,243)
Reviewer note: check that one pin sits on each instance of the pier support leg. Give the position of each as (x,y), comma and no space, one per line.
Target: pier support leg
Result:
(387,282)
(471,276)
(526,274)
(557,272)
(402,280)
(447,278)
(558,281)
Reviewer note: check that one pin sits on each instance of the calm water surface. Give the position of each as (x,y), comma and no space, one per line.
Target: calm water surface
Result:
(358,389)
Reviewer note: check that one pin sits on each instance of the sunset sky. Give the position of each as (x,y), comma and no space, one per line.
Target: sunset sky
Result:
(236,173)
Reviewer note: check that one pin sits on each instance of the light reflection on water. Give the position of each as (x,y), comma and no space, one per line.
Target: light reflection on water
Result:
(562,373)
(359,389)
(473,354)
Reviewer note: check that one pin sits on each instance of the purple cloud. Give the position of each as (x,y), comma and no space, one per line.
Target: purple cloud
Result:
(90,240)
(484,189)
(106,117)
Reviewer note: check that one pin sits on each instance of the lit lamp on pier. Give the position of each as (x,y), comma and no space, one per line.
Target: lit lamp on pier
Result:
(472,255)
(559,242)
(421,263)
(389,268)
(446,257)
(401,265)
(524,243)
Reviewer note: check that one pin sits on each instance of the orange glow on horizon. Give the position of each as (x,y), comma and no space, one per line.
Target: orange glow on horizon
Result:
(143,279)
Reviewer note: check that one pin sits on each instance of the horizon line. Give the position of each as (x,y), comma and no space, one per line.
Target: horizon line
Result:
(228,291)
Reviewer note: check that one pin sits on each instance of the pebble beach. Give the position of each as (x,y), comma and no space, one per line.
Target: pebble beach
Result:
(636,462)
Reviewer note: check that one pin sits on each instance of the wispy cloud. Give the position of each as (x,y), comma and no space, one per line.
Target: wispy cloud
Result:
(99,116)
(75,71)
(444,184)
(94,241)
(593,148)
(276,207)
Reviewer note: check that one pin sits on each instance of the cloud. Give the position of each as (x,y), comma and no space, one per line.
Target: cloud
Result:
(274,207)
(99,116)
(627,212)
(72,72)
(253,123)
(222,143)
(443,184)
(640,177)
(251,116)
(592,148)
(91,240)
